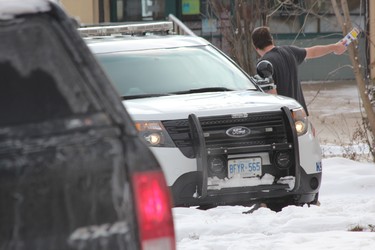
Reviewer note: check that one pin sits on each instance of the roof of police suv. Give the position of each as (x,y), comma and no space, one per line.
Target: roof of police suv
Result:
(108,44)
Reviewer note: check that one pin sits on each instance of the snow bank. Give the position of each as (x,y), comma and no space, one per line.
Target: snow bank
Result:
(347,202)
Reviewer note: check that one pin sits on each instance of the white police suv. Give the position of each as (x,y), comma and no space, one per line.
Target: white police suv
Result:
(219,138)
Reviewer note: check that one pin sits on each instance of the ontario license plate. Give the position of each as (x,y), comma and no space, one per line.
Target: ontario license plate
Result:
(245,167)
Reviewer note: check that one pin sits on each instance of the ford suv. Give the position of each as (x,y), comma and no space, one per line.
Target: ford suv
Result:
(73,172)
(221,140)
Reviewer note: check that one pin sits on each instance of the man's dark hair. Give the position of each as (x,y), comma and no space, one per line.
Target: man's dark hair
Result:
(262,37)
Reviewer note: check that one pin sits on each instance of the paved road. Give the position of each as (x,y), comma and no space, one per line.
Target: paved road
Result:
(334,110)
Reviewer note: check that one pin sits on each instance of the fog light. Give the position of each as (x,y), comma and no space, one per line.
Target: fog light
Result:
(283,159)
(153,139)
(216,166)
(314,183)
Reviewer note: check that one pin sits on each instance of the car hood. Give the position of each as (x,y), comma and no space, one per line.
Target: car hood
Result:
(206,104)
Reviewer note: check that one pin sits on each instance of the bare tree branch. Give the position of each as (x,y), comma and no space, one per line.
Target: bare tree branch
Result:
(237,29)
(338,15)
(346,26)
(304,22)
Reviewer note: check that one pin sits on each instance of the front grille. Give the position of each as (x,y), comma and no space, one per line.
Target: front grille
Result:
(265,128)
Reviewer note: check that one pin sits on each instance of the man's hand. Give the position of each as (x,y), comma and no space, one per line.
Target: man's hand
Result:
(340,47)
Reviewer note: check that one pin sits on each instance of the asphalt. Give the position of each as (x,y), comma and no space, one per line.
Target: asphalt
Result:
(335,110)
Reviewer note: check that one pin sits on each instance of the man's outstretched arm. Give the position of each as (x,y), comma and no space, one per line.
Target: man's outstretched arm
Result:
(322,50)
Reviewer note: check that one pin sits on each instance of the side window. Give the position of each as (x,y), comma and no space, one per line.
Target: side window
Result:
(39,79)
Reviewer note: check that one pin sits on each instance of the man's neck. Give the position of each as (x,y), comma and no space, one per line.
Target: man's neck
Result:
(266,49)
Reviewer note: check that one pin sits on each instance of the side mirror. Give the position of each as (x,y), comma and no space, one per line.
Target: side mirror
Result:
(264,69)
(264,76)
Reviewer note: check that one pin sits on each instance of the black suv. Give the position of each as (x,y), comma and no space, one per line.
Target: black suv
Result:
(73,172)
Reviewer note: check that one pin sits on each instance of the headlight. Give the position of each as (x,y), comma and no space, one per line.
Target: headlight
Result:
(300,121)
(154,134)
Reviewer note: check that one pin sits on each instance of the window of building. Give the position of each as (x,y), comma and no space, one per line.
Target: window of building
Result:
(137,10)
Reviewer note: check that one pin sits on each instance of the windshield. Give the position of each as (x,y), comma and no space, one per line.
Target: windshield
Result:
(172,71)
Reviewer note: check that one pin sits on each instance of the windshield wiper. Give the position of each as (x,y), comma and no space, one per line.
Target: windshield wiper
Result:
(202,90)
(190,91)
(129,97)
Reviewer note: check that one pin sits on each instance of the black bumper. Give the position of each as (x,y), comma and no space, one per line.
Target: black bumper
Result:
(192,189)
(185,192)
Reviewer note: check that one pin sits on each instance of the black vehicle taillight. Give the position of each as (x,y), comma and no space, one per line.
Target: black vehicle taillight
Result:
(155,218)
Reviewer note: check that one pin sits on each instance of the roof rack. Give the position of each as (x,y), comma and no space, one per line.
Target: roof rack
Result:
(179,27)
(129,29)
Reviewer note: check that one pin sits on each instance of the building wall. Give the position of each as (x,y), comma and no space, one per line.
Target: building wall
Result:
(85,11)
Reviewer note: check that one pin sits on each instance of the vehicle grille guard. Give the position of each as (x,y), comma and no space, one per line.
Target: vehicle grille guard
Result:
(292,133)
(199,146)
(201,152)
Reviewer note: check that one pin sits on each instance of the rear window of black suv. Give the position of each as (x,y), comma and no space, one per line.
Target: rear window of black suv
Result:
(26,73)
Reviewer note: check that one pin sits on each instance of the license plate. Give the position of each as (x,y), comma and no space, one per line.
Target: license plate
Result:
(245,167)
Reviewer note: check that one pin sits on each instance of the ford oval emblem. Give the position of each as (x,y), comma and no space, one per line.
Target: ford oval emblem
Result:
(238,132)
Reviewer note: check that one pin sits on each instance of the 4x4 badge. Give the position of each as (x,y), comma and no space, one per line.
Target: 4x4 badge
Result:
(238,132)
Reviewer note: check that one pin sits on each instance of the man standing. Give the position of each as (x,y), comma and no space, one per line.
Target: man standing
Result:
(285,61)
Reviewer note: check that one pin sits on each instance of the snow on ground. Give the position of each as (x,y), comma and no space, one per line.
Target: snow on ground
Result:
(347,197)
